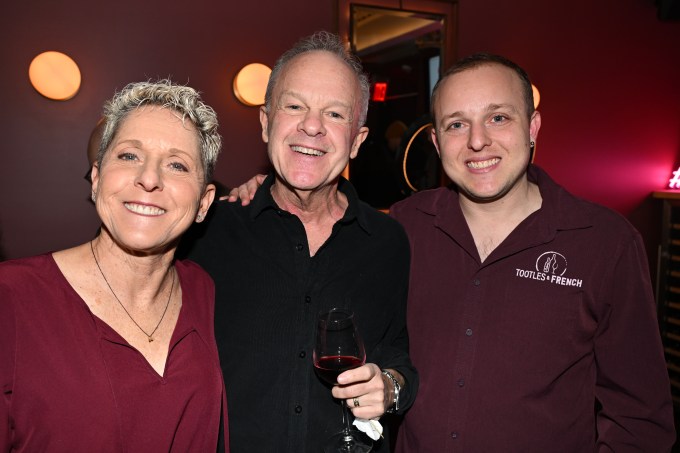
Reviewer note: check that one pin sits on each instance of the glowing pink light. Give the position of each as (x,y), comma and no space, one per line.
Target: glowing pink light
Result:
(674,182)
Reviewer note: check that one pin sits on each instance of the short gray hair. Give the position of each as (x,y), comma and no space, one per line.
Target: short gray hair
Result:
(327,42)
(165,94)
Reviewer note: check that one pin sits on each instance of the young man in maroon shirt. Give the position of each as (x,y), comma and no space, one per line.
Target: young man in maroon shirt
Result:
(533,324)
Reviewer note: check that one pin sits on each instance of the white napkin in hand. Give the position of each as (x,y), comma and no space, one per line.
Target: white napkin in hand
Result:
(372,428)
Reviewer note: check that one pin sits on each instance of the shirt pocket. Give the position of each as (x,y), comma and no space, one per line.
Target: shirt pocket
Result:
(539,327)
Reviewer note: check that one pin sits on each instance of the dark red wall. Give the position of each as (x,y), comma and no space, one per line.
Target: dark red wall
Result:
(609,76)
(608,71)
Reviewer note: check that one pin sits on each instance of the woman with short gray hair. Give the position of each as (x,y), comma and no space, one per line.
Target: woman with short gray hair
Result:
(109,346)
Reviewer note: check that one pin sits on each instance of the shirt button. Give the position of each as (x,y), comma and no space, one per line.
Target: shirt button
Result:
(468,332)
(476,282)
(461,382)
(299,247)
(302,354)
(308,299)
(454,435)
(298,409)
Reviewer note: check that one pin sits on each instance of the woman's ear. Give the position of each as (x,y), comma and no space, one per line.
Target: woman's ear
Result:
(94,176)
(205,202)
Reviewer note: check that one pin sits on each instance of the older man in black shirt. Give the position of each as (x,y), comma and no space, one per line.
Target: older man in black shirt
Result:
(303,245)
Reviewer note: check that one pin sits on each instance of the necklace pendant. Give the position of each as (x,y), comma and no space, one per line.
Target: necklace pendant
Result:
(167,304)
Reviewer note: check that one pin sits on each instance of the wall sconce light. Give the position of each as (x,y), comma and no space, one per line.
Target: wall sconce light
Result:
(55,75)
(250,84)
(537,95)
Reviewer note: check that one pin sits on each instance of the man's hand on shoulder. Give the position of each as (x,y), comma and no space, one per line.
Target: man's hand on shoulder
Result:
(246,191)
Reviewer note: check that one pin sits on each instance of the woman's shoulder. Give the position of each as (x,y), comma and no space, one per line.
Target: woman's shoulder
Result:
(17,270)
(192,276)
(198,291)
(188,268)
(26,283)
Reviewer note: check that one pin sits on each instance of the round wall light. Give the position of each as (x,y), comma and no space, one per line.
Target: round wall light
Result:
(537,95)
(250,84)
(55,75)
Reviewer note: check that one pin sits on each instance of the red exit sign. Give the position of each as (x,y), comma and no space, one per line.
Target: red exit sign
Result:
(379,91)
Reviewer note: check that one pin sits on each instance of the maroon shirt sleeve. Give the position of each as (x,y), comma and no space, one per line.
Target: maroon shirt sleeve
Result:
(632,381)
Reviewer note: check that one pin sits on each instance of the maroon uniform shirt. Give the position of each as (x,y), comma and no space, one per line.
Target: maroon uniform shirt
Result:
(514,352)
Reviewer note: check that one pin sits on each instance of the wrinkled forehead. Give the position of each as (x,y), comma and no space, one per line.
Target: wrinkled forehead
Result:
(319,72)
(155,122)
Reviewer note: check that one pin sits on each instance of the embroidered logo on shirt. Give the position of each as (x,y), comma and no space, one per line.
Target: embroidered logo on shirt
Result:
(550,267)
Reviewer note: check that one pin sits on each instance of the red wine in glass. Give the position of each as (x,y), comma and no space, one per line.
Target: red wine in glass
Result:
(329,368)
(339,348)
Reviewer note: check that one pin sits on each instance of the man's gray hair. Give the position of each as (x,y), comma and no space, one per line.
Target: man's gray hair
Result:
(327,42)
(165,94)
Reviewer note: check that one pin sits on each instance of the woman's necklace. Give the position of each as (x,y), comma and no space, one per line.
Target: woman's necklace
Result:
(148,335)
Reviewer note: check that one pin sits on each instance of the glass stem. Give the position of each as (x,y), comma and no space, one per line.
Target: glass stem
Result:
(346,418)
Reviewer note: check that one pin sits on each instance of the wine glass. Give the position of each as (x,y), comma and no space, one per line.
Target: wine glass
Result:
(339,348)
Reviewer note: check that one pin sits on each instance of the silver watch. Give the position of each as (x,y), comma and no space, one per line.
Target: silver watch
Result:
(395,403)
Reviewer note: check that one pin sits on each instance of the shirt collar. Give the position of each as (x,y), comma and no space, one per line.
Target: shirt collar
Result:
(560,209)
(563,210)
(264,201)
